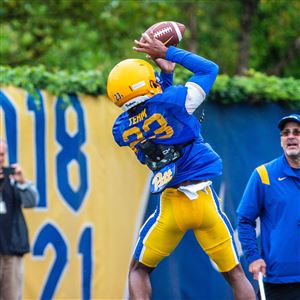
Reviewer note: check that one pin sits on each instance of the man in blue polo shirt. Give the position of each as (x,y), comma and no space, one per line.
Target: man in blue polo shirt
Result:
(273,195)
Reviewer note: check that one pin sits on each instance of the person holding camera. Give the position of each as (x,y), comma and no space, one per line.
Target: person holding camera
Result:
(15,193)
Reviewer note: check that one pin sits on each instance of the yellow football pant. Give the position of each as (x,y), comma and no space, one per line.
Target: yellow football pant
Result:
(176,214)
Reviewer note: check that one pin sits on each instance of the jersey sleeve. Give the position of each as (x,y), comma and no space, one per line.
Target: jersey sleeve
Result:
(116,131)
(247,236)
(165,80)
(194,98)
(205,71)
(252,200)
(28,194)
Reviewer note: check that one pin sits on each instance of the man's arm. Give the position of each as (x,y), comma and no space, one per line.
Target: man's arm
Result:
(166,71)
(248,211)
(27,191)
(205,71)
(28,194)
(247,237)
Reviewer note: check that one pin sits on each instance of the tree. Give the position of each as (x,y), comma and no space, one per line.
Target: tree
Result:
(96,34)
(248,11)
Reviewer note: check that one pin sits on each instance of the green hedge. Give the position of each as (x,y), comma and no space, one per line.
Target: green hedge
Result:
(253,88)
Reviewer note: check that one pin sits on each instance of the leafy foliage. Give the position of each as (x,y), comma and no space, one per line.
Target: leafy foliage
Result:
(92,34)
(253,88)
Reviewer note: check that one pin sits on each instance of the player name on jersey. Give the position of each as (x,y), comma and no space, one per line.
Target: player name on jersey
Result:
(142,115)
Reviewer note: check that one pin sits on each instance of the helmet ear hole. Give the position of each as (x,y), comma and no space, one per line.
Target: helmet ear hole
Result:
(153,84)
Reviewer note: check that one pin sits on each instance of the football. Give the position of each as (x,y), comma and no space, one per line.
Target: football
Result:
(168,32)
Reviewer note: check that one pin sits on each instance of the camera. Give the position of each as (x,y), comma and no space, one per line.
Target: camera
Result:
(6,171)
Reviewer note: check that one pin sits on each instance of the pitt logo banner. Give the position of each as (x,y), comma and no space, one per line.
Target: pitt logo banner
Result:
(91,194)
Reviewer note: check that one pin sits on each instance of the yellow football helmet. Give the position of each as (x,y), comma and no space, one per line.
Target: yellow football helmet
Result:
(131,82)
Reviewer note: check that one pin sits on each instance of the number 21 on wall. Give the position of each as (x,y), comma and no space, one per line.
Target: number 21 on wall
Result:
(50,235)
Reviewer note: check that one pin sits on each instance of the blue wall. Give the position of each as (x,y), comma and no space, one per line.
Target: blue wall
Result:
(245,136)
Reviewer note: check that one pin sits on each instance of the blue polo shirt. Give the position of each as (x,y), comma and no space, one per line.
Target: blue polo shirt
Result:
(273,194)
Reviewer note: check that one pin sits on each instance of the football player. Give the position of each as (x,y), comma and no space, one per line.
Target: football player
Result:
(159,126)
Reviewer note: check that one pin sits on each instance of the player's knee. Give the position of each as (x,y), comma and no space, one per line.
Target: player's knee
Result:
(151,257)
(136,266)
(236,273)
(224,255)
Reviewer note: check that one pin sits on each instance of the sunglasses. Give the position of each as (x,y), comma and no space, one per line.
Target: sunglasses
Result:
(287,132)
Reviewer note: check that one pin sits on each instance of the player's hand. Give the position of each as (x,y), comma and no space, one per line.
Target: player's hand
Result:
(165,65)
(151,46)
(257,266)
(19,175)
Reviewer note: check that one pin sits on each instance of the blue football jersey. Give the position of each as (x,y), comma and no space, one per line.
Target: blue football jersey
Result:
(163,119)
